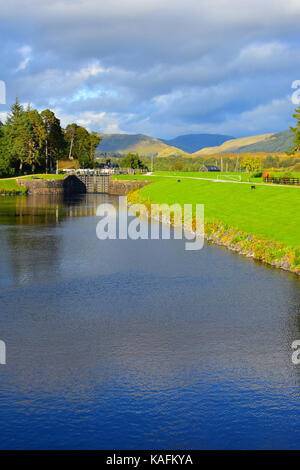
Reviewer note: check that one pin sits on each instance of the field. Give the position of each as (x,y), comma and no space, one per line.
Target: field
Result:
(268,211)
(210,175)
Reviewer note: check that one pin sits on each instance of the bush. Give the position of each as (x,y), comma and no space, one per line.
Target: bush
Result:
(296,167)
(257,174)
(178,166)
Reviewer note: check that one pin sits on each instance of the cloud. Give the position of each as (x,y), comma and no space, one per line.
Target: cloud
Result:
(25,53)
(3,116)
(161,68)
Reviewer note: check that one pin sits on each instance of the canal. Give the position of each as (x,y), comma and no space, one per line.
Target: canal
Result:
(123,344)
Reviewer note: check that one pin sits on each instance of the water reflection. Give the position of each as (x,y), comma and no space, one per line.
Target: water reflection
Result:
(31,250)
(46,209)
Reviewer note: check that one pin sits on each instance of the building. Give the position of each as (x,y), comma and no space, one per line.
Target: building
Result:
(210,168)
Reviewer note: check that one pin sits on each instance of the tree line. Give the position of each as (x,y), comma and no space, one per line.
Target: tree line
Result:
(33,141)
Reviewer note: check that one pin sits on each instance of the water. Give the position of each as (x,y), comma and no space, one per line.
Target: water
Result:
(139,344)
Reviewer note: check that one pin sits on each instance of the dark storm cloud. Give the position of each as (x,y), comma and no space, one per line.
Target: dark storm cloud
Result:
(159,67)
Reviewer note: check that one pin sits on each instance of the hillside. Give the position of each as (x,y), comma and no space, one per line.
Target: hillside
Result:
(234,145)
(275,142)
(140,143)
(121,144)
(191,143)
(279,142)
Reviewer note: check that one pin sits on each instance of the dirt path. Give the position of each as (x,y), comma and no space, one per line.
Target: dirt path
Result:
(226,181)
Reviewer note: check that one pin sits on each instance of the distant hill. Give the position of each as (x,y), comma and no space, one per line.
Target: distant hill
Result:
(121,144)
(276,143)
(279,142)
(140,143)
(191,143)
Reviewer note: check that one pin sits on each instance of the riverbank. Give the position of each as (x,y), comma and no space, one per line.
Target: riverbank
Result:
(263,224)
(12,186)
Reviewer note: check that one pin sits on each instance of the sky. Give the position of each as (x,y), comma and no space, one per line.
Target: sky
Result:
(157,67)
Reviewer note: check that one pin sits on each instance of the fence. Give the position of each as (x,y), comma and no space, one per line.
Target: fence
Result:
(290,181)
(104,171)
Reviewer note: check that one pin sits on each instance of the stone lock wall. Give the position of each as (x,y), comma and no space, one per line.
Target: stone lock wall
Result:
(40,186)
(121,187)
(72,184)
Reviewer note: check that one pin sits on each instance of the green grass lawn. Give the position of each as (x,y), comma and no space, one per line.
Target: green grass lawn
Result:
(224,175)
(267,211)
(10,186)
(279,174)
(138,178)
(207,174)
(45,177)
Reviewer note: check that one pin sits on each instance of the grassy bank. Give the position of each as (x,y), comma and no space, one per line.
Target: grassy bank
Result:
(44,177)
(267,211)
(11,187)
(263,223)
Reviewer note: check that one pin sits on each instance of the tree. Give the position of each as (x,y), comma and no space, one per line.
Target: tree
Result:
(24,137)
(70,133)
(132,160)
(16,111)
(11,134)
(30,139)
(250,164)
(6,167)
(81,147)
(95,140)
(296,131)
(35,140)
(54,138)
(178,166)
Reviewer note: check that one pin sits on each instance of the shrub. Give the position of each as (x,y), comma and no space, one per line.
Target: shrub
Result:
(296,167)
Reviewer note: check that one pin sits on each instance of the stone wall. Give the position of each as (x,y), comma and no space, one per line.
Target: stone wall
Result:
(40,186)
(122,187)
(73,185)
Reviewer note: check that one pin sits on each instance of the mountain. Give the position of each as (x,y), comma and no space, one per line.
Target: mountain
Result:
(275,142)
(121,144)
(137,143)
(279,142)
(191,143)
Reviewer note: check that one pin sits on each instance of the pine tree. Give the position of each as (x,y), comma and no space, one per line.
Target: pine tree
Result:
(12,132)
(296,131)
(16,111)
